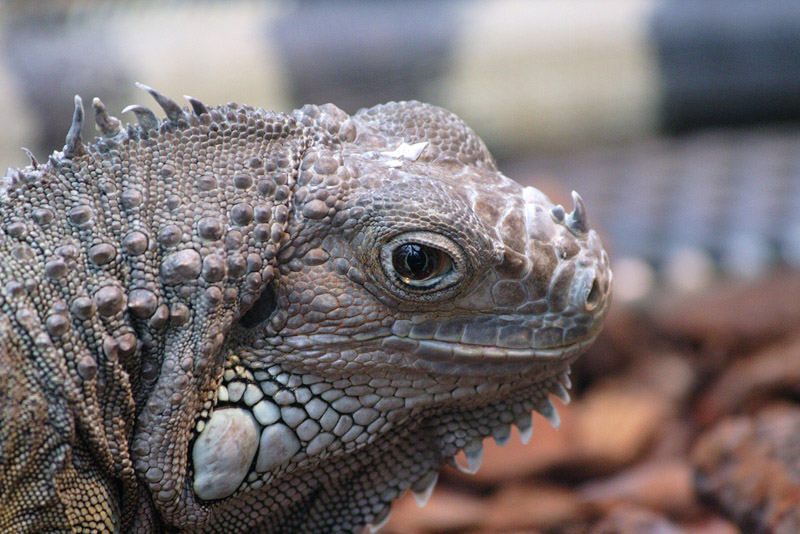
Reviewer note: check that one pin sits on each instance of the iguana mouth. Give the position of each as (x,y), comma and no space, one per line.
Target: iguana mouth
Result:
(435,350)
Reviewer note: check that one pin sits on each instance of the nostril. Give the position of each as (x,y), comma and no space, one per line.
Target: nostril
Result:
(593,297)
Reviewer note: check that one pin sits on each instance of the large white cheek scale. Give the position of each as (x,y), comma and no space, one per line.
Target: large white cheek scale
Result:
(223,453)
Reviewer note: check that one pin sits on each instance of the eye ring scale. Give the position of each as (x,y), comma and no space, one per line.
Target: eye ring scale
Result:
(422,262)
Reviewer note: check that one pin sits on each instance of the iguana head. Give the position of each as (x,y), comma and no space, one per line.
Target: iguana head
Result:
(423,302)
(334,306)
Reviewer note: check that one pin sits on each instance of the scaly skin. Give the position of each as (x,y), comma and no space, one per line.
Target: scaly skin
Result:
(233,320)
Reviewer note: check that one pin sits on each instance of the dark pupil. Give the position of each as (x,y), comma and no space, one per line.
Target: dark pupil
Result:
(415,261)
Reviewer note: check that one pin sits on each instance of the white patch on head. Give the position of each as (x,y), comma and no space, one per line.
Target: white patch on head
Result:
(395,158)
(406,151)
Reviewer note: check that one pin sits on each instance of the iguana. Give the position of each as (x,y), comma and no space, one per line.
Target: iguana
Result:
(235,320)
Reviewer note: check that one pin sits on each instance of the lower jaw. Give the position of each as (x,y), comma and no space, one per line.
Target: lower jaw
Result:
(304,420)
(408,455)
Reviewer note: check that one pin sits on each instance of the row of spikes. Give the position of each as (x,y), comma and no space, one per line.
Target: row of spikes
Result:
(110,126)
(423,488)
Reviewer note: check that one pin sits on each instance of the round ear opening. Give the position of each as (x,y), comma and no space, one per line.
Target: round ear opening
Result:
(261,310)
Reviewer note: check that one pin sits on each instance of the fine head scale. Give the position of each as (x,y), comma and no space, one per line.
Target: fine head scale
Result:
(351,301)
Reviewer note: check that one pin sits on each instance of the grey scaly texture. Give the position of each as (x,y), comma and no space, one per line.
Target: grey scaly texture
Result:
(233,320)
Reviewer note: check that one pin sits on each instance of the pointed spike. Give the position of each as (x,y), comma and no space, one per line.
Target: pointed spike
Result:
(501,435)
(423,488)
(577,220)
(566,380)
(525,426)
(8,182)
(109,126)
(453,461)
(170,107)
(558,213)
(34,163)
(197,107)
(147,119)
(561,393)
(74,146)
(474,455)
(548,411)
(380,520)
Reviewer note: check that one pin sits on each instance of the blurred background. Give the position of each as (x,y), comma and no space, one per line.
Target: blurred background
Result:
(675,120)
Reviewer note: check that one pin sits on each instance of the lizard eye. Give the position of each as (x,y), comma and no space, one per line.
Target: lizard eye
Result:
(419,265)
(422,261)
